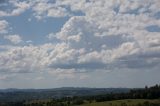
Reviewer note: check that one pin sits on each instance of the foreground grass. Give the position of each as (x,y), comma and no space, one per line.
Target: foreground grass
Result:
(128,102)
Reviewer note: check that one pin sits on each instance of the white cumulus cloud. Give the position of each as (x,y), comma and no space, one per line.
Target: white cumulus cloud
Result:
(112,34)
(14,38)
(3,26)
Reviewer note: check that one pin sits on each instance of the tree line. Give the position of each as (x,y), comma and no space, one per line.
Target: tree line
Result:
(143,93)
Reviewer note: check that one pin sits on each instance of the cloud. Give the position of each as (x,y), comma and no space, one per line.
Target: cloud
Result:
(16,8)
(62,74)
(57,12)
(7,77)
(112,35)
(16,39)
(3,77)
(29,41)
(84,77)
(20,7)
(44,9)
(25,59)
(109,31)
(3,26)
(39,78)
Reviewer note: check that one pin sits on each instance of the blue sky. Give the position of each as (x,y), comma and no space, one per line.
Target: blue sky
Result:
(87,43)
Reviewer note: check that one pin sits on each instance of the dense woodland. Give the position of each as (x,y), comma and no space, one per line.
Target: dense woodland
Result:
(150,93)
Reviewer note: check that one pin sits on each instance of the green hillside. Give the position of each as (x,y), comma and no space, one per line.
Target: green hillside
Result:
(127,102)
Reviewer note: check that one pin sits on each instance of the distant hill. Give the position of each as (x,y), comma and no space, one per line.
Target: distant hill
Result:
(14,95)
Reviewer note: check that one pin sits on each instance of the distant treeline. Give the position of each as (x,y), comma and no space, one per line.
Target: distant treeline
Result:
(17,95)
(145,93)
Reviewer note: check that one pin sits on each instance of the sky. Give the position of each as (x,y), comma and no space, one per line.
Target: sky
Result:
(79,43)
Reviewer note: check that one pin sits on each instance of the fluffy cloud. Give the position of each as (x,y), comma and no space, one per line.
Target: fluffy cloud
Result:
(16,8)
(57,12)
(3,26)
(111,35)
(111,32)
(47,8)
(13,38)
(24,59)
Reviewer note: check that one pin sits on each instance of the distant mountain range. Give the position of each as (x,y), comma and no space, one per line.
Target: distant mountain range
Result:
(12,95)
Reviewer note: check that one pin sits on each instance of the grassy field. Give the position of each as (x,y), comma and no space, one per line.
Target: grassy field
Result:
(129,102)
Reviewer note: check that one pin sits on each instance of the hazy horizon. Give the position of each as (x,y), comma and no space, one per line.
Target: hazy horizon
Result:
(79,43)
(74,87)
